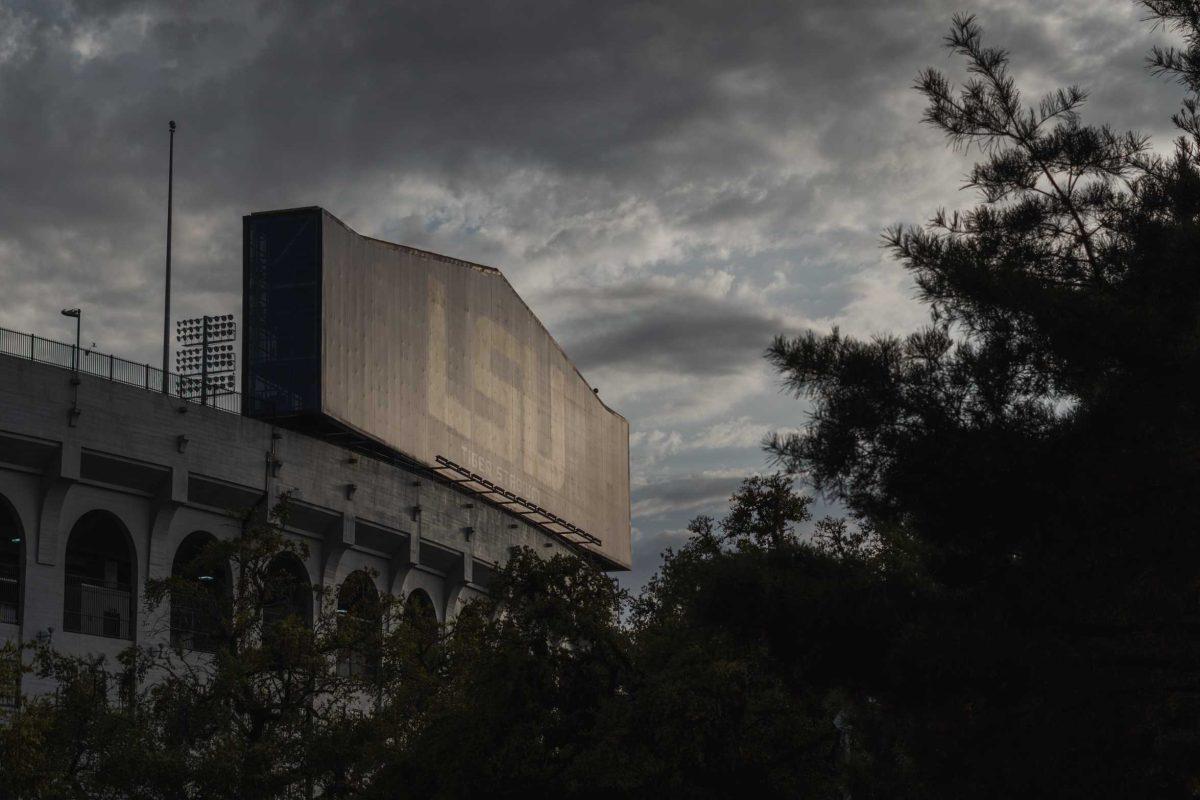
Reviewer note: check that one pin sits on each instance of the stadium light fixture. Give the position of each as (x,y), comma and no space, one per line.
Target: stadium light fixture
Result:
(206,361)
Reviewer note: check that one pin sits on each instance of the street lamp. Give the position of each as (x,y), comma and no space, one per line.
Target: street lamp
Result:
(78,315)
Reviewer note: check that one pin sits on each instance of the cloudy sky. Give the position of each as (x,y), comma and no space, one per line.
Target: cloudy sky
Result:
(668,184)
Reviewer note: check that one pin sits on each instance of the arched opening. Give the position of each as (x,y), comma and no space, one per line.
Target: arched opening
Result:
(287,601)
(199,594)
(470,621)
(418,609)
(11,544)
(470,611)
(99,578)
(360,626)
(420,617)
(288,592)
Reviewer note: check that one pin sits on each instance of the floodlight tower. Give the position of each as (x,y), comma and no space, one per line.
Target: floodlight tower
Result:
(206,361)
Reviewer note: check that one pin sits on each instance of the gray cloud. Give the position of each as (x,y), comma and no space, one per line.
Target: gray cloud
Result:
(664,327)
(733,127)
(670,184)
(688,493)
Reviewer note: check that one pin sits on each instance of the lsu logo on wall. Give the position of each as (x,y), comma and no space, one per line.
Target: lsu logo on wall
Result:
(506,401)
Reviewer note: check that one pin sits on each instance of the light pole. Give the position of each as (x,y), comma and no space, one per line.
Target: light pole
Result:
(167,294)
(73,414)
(78,315)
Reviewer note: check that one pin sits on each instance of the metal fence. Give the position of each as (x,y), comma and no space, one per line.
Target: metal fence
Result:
(10,593)
(98,610)
(144,376)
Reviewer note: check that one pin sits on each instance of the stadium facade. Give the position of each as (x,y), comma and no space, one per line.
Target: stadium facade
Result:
(416,413)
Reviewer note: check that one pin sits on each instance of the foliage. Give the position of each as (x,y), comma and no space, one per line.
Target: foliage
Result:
(554,684)
(1035,448)
(248,701)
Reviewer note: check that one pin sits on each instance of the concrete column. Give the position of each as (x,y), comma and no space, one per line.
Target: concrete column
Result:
(61,476)
(337,541)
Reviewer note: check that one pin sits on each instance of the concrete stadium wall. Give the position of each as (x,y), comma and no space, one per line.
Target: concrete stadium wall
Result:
(166,468)
(435,356)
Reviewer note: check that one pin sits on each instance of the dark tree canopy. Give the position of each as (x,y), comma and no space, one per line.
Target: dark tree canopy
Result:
(1036,447)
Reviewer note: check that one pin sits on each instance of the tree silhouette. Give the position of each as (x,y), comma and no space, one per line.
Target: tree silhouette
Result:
(1037,445)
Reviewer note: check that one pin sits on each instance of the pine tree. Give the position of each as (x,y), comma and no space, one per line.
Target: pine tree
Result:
(1038,444)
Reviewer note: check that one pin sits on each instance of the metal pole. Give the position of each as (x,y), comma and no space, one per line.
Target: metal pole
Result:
(204,361)
(167,294)
(78,320)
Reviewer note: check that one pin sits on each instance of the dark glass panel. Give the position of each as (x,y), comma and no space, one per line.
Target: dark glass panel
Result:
(282,313)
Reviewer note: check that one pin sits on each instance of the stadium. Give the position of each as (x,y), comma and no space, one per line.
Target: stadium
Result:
(418,416)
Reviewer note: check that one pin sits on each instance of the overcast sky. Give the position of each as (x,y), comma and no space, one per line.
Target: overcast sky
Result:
(668,184)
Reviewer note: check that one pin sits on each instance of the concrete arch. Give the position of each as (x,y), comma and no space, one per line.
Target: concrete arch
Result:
(100,577)
(358,587)
(101,511)
(458,597)
(418,604)
(127,510)
(350,561)
(50,541)
(10,508)
(160,547)
(432,585)
(172,525)
(189,546)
